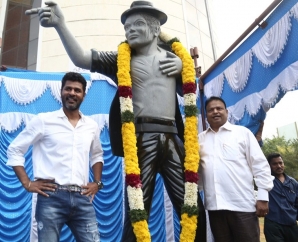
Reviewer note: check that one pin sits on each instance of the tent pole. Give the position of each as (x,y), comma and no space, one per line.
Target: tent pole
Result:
(195,55)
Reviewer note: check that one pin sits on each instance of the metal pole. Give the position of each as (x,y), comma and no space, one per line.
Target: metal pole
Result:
(195,55)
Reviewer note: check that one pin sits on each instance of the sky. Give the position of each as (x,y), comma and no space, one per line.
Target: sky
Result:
(231,18)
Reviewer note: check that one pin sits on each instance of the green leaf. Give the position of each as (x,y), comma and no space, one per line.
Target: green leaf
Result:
(137,215)
(191,110)
(190,210)
(127,117)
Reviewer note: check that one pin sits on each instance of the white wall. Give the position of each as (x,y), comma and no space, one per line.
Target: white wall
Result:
(97,26)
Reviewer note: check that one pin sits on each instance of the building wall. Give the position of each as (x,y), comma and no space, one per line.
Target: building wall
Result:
(2,18)
(198,28)
(96,24)
(19,32)
(289,131)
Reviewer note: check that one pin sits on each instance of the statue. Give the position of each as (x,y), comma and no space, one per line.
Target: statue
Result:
(144,111)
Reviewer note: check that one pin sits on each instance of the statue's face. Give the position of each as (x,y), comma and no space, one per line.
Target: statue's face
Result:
(137,31)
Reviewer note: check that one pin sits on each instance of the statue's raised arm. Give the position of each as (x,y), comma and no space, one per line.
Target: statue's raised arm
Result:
(52,16)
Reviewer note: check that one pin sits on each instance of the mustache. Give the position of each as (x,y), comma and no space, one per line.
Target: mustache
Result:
(71,98)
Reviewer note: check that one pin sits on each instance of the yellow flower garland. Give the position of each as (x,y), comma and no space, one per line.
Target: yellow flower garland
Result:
(188,223)
(140,228)
(192,158)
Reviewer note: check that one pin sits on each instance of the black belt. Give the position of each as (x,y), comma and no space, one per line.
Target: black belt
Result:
(155,121)
(70,188)
(153,125)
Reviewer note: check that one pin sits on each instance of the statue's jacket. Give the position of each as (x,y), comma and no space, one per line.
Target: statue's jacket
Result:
(105,62)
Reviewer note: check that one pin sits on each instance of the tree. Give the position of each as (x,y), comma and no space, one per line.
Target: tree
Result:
(288,150)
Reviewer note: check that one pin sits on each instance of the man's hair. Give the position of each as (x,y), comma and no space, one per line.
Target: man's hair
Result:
(152,22)
(74,77)
(272,156)
(214,98)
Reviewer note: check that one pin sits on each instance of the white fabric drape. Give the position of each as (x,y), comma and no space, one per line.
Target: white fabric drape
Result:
(237,74)
(214,87)
(294,11)
(287,80)
(24,91)
(10,122)
(267,51)
(270,46)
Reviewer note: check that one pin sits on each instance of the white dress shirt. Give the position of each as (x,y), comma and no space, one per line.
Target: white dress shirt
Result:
(60,151)
(230,160)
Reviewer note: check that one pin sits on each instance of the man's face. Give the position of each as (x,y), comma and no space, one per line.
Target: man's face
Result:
(72,95)
(217,114)
(277,166)
(137,31)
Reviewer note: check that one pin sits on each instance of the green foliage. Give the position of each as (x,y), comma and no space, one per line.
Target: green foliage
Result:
(190,210)
(288,150)
(170,42)
(127,117)
(137,215)
(191,110)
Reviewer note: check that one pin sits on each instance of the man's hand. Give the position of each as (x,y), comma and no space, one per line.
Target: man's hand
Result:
(262,208)
(49,16)
(39,186)
(172,65)
(90,190)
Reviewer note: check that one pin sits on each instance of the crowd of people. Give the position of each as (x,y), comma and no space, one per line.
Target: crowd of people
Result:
(145,113)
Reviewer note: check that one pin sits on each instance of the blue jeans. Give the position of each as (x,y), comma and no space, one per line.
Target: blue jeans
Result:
(64,207)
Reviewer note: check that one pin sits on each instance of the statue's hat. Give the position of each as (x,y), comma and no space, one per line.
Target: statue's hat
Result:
(144,7)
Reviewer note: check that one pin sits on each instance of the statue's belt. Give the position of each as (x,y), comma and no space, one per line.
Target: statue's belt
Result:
(153,125)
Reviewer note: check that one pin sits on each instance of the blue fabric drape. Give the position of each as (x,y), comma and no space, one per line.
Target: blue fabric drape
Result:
(16,202)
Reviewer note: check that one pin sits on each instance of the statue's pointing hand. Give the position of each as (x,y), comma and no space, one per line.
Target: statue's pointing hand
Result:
(49,16)
(172,65)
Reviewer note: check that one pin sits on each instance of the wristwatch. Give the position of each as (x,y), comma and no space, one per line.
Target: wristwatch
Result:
(99,184)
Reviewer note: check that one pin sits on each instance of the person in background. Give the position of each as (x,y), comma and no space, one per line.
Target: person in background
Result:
(231,159)
(280,223)
(65,144)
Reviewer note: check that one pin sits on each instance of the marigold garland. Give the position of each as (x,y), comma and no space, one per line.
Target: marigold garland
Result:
(191,163)
(138,214)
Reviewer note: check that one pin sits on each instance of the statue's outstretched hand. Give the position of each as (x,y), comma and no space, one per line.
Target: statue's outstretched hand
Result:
(49,16)
(172,65)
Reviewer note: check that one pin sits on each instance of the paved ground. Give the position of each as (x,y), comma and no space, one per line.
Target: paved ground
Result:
(262,237)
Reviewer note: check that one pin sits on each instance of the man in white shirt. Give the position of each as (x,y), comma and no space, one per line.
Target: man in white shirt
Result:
(65,144)
(231,161)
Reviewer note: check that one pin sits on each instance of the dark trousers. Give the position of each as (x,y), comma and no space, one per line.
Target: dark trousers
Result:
(230,226)
(275,232)
(162,153)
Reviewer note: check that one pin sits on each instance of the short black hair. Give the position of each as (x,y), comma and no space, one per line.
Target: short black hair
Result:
(272,156)
(214,98)
(75,77)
